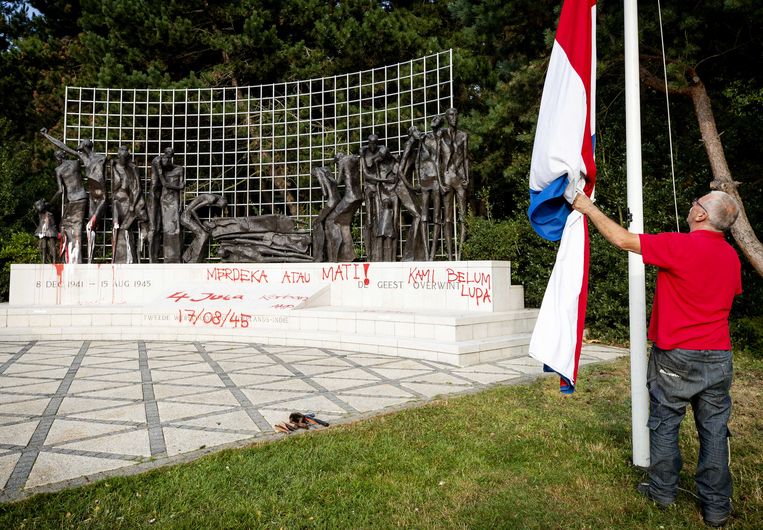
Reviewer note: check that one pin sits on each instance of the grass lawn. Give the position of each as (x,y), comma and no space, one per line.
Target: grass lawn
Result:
(509,457)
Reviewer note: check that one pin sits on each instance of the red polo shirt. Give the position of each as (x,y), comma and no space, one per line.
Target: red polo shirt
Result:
(699,275)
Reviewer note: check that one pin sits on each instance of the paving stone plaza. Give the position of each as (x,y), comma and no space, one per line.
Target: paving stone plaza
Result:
(76,411)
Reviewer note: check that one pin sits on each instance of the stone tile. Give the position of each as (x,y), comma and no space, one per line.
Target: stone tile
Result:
(432,390)
(186,379)
(292,385)
(133,442)
(384,390)
(354,374)
(274,370)
(170,411)
(79,404)
(368,404)
(18,382)
(164,390)
(19,368)
(253,379)
(99,372)
(218,397)
(333,384)
(487,378)
(237,421)
(439,378)
(18,433)
(7,463)
(258,397)
(54,467)
(184,440)
(133,413)
(235,366)
(132,376)
(397,373)
(88,385)
(132,392)
(66,430)
(316,369)
(33,407)
(317,404)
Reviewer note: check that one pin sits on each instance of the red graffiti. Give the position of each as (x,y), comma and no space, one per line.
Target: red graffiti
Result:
(179,296)
(235,274)
(341,271)
(479,278)
(480,295)
(417,275)
(295,277)
(214,318)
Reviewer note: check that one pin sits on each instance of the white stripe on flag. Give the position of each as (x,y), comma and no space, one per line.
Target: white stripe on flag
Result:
(561,125)
(554,338)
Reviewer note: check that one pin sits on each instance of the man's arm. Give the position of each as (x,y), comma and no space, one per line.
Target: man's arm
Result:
(612,232)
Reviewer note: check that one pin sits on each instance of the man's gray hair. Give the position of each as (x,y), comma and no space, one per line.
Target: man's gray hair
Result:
(723,210)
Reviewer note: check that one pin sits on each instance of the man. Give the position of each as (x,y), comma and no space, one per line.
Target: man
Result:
(699,274)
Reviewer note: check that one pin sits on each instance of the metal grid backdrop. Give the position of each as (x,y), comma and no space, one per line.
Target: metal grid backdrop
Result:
(256,145)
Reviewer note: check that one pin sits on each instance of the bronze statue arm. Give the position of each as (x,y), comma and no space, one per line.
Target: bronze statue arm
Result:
(58,143)
(169,186)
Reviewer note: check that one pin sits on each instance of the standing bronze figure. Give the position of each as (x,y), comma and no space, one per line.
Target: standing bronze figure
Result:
(371,157)
(338,234)
(128,206)
(95,171)
(454,164)
(46,232)
(171,179)
(74,200)
(331,198)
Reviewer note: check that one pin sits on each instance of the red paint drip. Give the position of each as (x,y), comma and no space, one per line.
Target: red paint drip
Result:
(59,270)
(365,273)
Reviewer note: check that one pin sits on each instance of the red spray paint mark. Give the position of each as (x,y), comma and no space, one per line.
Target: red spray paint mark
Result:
(365,273)
(59,271)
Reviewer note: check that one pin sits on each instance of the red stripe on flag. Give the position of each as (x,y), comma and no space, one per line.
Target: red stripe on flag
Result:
(576,18)
(582,300)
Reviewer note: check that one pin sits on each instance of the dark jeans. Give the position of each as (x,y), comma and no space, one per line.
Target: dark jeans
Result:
(702,378)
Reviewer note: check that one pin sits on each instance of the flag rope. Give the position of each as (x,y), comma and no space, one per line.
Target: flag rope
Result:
(667,105)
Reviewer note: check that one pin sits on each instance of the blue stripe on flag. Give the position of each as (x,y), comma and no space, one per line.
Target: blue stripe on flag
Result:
(549,209)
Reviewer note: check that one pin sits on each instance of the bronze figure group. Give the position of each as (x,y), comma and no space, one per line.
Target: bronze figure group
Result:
(156,219)
(429,178)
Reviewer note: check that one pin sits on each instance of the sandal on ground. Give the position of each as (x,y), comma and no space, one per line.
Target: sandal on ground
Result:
(282,427)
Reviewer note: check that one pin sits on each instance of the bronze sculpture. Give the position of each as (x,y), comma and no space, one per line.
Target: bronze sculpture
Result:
(171,179)
(454,168)
(128,207)
(338,233)
(95,171)
(46,232)
(331,198)
(201,230)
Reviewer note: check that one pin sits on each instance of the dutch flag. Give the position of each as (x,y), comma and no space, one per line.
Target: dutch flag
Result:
(562,162)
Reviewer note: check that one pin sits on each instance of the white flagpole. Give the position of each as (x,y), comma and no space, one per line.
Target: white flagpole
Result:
(636,275)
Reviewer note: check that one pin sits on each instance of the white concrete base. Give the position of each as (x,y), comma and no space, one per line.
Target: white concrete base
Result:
(390,316)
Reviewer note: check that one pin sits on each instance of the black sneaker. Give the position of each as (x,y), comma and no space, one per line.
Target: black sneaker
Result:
(716,521)
(644,489)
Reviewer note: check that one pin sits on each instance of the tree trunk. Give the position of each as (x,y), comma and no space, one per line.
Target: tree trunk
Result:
(741,230)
